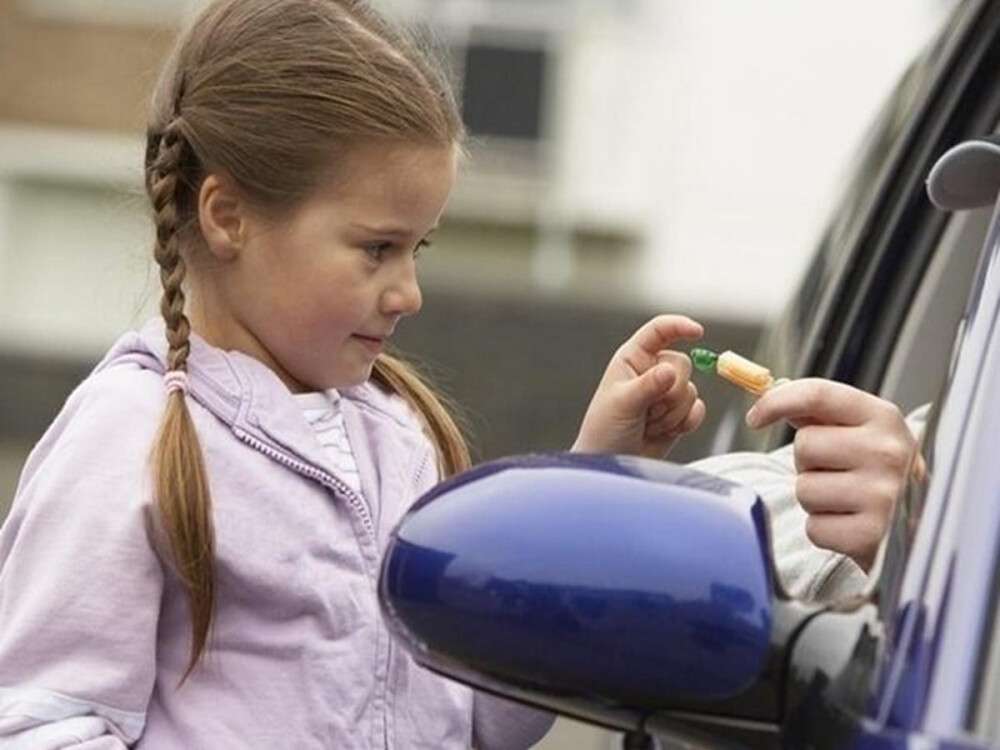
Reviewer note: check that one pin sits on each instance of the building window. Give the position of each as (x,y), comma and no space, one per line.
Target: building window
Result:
(503,89)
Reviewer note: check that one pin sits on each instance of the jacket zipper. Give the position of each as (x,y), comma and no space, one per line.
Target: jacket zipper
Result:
(359,506)
(324,478)
(331,482)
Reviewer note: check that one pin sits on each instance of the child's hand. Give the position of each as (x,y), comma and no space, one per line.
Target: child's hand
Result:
(853,452)
(646,400)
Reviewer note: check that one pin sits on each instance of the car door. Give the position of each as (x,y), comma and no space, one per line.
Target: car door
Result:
(918,660)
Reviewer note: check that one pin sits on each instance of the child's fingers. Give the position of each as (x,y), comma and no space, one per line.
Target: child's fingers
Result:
(659,333)
(658,410)
(682,418)
(694,418)
(679,393)
(675,408)
(680,361)
(813,400)
(680,364)
(648,388)
(661,434)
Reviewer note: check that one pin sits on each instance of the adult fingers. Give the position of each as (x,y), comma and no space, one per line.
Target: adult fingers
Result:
(856,535)
(886,449)
(816,400)
(820,492)
(826,447)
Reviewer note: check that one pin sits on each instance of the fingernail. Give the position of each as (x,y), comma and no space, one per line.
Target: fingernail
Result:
(752,418)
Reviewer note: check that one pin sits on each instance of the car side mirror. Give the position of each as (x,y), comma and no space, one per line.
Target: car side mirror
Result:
(603,587)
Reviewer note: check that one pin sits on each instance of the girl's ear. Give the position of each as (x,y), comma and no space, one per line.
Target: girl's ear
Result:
(222,218)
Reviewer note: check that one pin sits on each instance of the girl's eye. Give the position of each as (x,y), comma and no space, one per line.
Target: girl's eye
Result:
(420,246)
(378,250)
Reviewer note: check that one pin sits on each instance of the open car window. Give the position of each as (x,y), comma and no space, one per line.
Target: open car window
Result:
(782,342)
(919,362)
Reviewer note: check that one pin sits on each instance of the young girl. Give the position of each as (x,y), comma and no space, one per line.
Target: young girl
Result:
(192,555)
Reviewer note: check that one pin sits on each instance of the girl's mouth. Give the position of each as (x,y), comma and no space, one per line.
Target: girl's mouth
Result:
(372,343)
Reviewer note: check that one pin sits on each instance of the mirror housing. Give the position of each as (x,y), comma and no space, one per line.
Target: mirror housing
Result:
(604,587)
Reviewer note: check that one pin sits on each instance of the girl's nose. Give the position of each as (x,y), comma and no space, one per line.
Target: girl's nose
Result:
(402,296)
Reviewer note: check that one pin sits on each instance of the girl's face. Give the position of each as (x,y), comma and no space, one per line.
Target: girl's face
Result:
(317,296)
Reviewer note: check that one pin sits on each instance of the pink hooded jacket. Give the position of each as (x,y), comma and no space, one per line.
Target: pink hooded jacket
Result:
(94,628)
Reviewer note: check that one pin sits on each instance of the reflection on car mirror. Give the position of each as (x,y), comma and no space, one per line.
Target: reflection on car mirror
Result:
(602,587)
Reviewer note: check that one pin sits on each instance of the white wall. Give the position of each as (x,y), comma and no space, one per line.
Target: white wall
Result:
(723,129)
(75,241)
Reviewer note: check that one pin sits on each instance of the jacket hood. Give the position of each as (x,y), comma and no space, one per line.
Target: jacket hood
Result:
(246,394)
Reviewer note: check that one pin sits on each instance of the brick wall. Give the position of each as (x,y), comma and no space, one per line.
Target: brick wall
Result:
(78,75)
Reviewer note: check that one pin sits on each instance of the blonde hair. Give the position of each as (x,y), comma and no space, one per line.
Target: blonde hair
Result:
(265,91)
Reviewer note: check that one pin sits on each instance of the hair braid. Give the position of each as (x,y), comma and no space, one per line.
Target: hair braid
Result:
(181,479)
(165,178)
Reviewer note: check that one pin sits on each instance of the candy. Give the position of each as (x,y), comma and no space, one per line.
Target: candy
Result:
(736,369)
(742,372)
(704,359)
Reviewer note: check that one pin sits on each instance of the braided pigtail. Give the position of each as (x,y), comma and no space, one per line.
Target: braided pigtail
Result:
(180,478)
(396,376)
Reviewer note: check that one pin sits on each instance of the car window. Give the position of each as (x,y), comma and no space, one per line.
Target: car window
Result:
(925,354)
(788,345)
(876,146)
(782,342)
(919,361)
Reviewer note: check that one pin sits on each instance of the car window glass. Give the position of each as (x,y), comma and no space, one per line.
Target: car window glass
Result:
(784,342)
(965,233)
(876,146)
(903,529)
(919,361)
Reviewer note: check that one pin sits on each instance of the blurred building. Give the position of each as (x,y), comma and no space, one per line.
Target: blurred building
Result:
(534,275)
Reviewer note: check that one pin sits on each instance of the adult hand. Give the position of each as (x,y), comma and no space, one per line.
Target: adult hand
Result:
(645,401)
(853,455)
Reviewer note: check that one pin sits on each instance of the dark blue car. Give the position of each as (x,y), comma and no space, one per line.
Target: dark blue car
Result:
(643,596)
